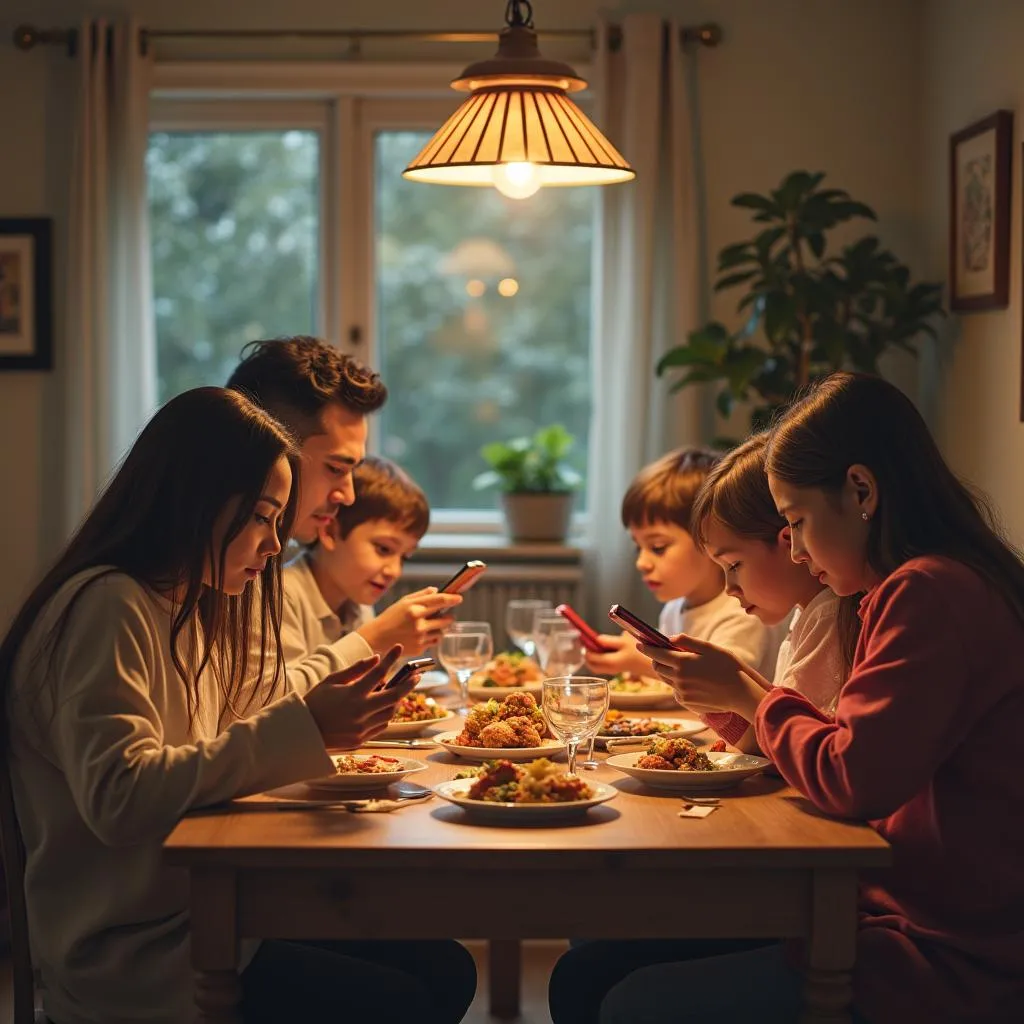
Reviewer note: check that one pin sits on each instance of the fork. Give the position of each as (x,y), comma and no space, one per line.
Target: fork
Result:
(369,804)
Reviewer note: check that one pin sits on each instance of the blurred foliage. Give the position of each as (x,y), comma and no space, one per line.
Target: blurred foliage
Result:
(483,302)
(808,312)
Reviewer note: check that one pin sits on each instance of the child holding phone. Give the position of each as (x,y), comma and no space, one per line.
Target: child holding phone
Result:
(736,522)
(117,674)
(656,511)
(330,590)
(924,739)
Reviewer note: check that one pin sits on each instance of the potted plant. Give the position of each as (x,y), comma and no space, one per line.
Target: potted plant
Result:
(536,483)
(808,313)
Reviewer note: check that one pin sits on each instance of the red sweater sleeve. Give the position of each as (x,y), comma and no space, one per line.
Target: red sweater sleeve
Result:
(899,714)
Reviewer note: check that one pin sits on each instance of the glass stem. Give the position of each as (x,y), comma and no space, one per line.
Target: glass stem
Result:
(463,676)
(590,748)
(571,749)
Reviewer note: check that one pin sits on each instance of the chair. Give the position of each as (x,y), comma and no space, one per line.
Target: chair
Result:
(14,878)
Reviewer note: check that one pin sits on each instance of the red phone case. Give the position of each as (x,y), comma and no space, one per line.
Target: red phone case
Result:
(464,578)
(588,635)
(636,627)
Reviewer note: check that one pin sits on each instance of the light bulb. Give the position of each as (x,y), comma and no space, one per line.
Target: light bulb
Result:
(517,180)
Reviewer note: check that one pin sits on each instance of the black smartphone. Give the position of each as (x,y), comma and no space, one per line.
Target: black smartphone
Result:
(464,578)
(412,666)
(636,627)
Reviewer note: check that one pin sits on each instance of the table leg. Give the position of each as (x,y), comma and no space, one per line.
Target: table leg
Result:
(218,989)
(504,972)
(831,949)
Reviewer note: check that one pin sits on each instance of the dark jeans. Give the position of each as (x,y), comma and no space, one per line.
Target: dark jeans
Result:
(590,970)
(357,982)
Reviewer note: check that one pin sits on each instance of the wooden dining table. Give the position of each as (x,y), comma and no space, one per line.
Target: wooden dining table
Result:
(764,864)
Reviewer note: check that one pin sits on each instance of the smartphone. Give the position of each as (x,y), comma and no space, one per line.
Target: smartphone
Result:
(411,666)
(588,637)
(636,627)
(464,578)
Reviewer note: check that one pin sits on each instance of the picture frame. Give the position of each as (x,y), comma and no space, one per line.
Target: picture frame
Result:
(26,293)
(980,166)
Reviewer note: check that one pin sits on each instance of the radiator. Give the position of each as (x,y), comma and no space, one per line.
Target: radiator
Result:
(502,583)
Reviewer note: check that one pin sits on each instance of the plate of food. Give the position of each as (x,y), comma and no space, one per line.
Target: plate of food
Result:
(413,713)
(366,771)
(629,692)
(512,728)
(510,672)
(624,730)
(678,764)
(433,680)
(539,791)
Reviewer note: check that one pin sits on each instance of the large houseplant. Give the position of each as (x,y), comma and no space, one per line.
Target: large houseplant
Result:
(535,481)
(808,312)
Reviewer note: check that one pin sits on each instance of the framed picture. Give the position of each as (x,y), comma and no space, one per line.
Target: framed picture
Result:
(979,214)
(26,316)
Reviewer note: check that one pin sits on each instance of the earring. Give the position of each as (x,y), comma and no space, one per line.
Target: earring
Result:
(865,516)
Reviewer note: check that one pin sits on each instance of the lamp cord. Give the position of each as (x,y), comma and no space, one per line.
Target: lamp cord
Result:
(519,14)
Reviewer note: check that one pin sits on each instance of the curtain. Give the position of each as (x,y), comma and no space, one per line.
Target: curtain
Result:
(647,277)
(110,332)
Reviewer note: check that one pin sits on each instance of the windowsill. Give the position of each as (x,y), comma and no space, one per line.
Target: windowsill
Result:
(496,547)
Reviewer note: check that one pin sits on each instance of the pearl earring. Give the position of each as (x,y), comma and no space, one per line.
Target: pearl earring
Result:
(865,516)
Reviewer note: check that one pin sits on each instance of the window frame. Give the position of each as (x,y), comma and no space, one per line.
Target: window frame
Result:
(346,104)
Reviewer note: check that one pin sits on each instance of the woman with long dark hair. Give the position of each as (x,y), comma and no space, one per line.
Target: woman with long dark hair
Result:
(923,744)
(120,672)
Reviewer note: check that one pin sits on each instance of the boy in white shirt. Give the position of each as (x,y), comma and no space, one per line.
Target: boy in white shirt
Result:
(656,511)
(331,588)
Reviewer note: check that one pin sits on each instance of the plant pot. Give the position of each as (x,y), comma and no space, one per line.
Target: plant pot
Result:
(533,516)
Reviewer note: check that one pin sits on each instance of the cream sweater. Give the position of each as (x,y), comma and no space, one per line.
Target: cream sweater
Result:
(104,763)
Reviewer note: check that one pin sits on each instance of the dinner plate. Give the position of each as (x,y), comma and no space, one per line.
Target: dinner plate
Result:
(485,693)
(456,792)
(403,730)
(365,780)
(730,770)
(548,748)
(681,728)
(642,700)
(433,680)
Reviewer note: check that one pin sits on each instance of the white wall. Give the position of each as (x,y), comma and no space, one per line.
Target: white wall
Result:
(829,85)
(972,67)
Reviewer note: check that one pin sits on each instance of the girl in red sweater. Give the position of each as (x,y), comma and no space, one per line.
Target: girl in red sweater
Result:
(924,741)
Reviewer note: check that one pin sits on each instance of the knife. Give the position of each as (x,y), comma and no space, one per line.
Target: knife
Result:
(417,744)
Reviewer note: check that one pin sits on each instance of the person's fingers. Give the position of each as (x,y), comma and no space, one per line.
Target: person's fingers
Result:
(369,681)
(351,673)
(692,644)
(436,602)
(434,625)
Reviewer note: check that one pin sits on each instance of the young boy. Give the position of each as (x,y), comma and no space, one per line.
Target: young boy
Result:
(330,590)
(656,512)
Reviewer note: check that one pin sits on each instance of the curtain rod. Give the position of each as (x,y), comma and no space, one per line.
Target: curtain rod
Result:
(28,37)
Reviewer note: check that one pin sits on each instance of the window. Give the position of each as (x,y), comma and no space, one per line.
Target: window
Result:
(271,217)
(482,319)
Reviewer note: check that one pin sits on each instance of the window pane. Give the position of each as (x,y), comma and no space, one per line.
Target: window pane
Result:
(483,320)
(235,221)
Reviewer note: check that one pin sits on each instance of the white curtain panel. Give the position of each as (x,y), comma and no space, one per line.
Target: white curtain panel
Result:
(110,332)
(646,277)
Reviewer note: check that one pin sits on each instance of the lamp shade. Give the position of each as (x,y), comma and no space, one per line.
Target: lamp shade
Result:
(519,130)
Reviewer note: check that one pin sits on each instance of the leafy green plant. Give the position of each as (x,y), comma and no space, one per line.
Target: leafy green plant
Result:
(808,313)
(530,464)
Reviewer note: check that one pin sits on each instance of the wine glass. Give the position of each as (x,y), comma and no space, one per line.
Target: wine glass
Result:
(563,652)
(546,622)
(574,707)
(519,622)
(463,652)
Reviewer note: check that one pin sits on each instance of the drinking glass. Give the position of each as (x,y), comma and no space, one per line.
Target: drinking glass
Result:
(546,622)
(563,652)
(463,652)
(519,622)
(574,707)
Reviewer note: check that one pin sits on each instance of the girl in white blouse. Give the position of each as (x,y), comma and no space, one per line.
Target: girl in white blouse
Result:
(127,706)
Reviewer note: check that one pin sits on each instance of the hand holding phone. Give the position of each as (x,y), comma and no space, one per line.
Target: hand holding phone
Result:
(642,631)
(465,577)
(588,636)
(411,667)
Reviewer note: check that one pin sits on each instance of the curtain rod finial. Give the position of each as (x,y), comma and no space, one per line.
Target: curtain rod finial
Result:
(25,37)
